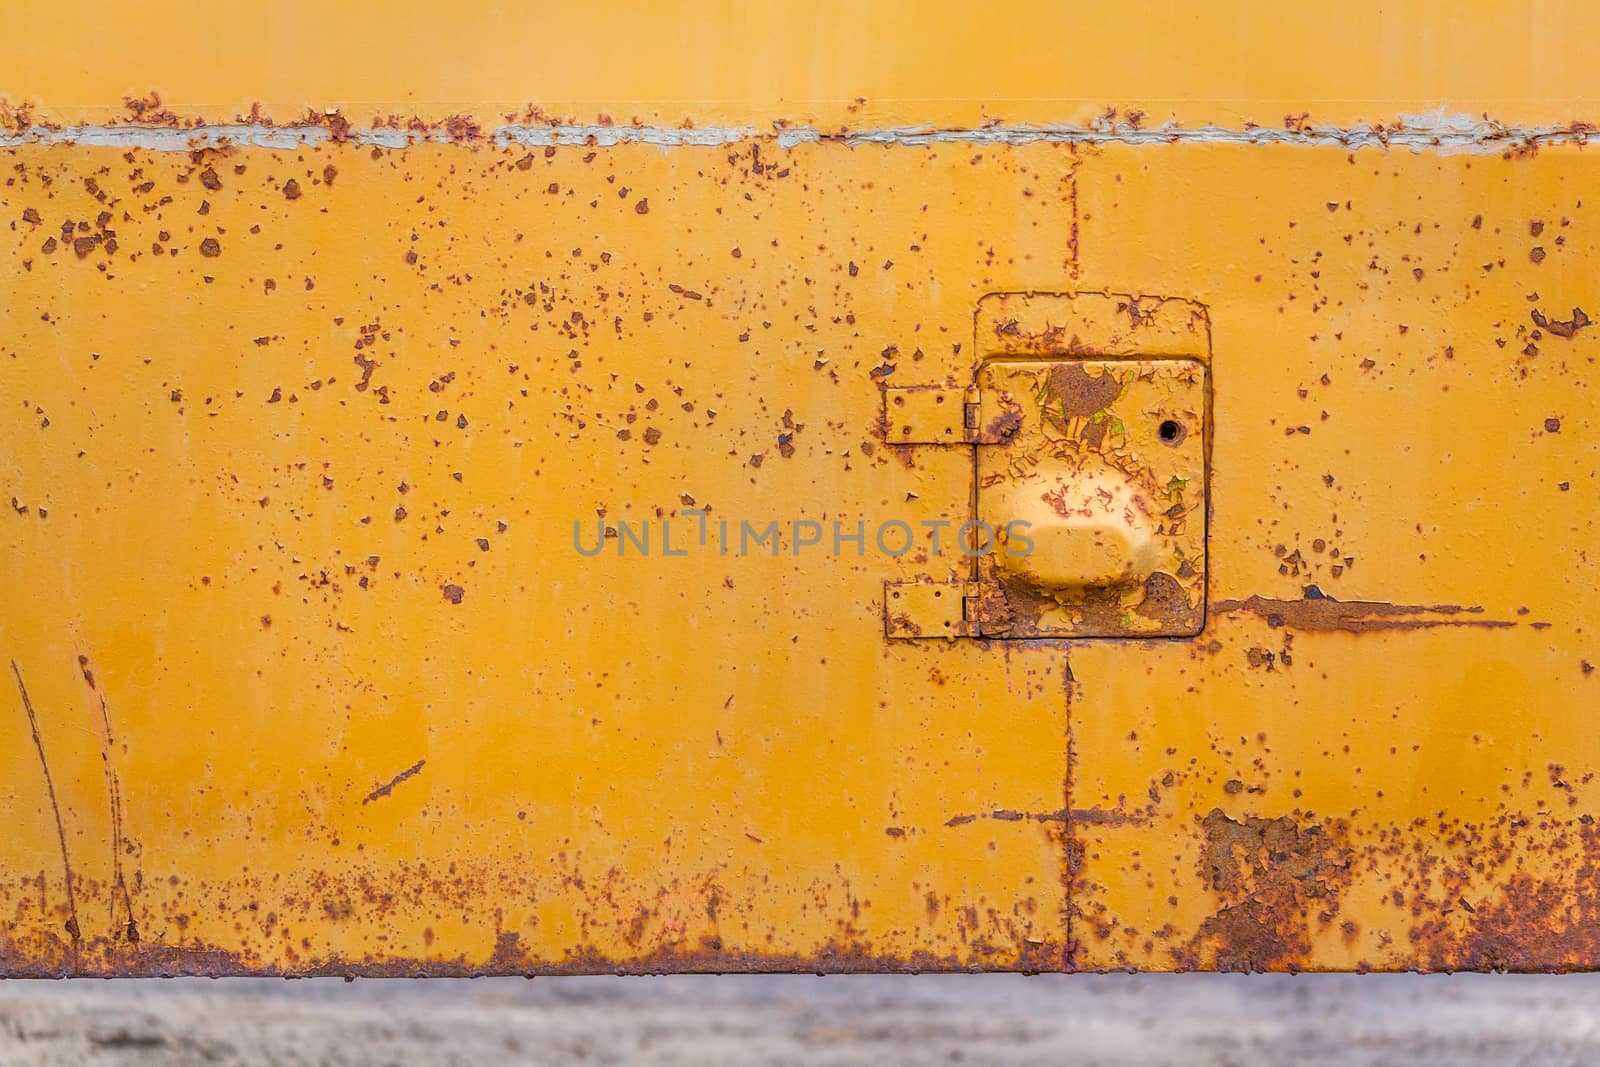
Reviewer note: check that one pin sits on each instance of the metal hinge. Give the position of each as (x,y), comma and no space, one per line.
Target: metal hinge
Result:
(936,415)
(928,608)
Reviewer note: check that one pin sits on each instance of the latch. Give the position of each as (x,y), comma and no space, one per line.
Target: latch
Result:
(1088,495)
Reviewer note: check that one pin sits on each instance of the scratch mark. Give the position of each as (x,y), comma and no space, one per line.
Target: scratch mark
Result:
(388,787)
(114,797)
(55,808)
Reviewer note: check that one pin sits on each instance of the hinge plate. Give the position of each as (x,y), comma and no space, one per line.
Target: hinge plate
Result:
(919,609)
(932,415)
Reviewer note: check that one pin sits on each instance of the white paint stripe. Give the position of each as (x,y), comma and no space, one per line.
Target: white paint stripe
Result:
(1435,133)
(1486,138)
(607,136)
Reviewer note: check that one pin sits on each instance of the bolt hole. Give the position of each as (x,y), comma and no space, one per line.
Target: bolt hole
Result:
(1171,431)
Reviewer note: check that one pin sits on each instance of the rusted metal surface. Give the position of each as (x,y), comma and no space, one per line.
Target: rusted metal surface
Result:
(1106,467)
(464,541)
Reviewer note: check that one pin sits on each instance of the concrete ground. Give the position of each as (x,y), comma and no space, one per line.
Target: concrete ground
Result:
(1192,1020)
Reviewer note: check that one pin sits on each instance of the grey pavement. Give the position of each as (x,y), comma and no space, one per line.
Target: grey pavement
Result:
(1192,1020)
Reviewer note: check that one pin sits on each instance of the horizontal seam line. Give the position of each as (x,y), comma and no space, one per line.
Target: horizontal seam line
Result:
(1488,137)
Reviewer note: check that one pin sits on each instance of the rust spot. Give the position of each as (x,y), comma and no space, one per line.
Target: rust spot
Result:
(1531,923)
(210,248)
(900,624)
(1535,926)
(1165,601)
(1277,880)
(1004,426)
(1077,393)
(453,593)
(148,111)
(1560,327)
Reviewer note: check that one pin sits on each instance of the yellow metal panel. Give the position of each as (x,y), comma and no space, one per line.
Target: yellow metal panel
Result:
(460,546)
(834,63)
(310,508)
(1409,425)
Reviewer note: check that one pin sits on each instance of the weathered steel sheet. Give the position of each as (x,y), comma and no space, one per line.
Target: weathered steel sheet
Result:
(461,540)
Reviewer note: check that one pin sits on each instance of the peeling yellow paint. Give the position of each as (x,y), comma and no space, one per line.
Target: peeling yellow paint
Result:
(385,527)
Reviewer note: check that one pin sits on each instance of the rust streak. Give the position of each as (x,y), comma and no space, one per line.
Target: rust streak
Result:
(55,807)
(1074,252)
(1086,816)
(1070,856)
(114,799)
(1319,611)
(512,957)
(388,787)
